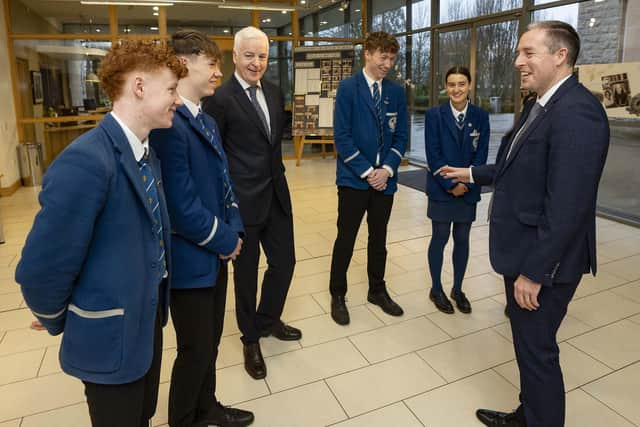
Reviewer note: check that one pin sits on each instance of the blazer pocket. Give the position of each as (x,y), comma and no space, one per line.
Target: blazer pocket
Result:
(93,339)
(529,218)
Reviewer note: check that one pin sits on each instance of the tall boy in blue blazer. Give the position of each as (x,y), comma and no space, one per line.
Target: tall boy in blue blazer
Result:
(370,133)
(94,265)
(207,230)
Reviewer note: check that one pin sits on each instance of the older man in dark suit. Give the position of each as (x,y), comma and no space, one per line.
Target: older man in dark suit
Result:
(250,114)
(542,231)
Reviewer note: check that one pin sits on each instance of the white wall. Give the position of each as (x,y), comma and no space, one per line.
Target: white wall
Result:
(8,131)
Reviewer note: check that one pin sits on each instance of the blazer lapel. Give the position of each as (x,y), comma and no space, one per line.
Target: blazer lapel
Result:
(129,164)
(272,109)
(365,93)
(449,122)
(243,99)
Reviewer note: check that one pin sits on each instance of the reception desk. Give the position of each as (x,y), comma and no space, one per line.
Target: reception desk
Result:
(56,139)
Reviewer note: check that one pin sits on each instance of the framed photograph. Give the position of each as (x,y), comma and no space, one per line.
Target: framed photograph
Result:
(36,87)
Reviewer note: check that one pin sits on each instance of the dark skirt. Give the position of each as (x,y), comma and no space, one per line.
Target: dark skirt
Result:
(454,210)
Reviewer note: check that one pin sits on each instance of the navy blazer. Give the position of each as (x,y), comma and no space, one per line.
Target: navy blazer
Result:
(356,131)
(205,220)
(89,266)
(442,148)
(543,222)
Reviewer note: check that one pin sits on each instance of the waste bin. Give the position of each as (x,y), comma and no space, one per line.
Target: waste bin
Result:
(30,159)
(495,104)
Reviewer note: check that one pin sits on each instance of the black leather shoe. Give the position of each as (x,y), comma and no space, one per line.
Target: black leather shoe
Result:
(253,361)
(284,332)
(226,416)
(384,301)
(462,302)
(441,301)
(339,312)
(498,419)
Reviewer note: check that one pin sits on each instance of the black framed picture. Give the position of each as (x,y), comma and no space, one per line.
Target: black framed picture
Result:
(36,87)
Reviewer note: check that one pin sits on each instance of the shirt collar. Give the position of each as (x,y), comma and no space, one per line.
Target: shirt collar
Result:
(243,83)
(542,100)
(370,80)
(138,147)
(194,108)
(456,113)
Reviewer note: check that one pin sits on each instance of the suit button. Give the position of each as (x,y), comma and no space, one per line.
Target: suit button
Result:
(154,265)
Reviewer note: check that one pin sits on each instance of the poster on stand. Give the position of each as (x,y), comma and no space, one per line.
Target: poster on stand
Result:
(616,85)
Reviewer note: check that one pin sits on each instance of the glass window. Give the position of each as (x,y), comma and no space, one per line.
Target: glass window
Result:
(331,22)
(198,17)
(453,49)
(355,20)
(598,25)
(418,91)
(273,22)
(420,14)
(53,17)
(280,68)
(389,16)
(456,10)
(399,72)
(137,19)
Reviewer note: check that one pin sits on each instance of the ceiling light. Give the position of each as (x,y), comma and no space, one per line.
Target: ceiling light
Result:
(240,6)
(303,1)
(323,22)
(124,3)
(225,31)
(92,78)
(155,13)
(98,30)
(156,8)
(153,28)
(284,11)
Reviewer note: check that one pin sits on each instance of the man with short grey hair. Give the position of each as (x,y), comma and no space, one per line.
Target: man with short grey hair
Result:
(250,114)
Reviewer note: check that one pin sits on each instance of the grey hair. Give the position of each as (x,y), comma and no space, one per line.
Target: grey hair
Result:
(248,33)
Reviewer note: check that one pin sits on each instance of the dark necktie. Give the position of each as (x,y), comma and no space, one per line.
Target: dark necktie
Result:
(460,121)
(378,107)
(150,185)
(533,113)
(256,105)
(205,129)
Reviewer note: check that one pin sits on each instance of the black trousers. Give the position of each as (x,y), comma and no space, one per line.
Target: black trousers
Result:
(276,238)
(542,399)
(198,318)
(132,404)
(352,204)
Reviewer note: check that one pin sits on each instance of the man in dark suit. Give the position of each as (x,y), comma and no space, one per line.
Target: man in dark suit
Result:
(250,113)
(94,266)
(206,229)
(542,230)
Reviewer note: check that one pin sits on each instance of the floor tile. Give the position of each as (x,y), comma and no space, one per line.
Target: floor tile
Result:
(19,340)
(482,286)
(384,383)
(602,308)
(393,415)
(578,368)
(356,295)
(468,355)
(620,392)
(13,423)
(10,301)
(414,304)
(68,416)
(626,267)
(39,395)
(234,385)
(311,405)
(300,308)
(16,319)
(455,404)
(20,366)
(311,364)
(583,410)
(602,281)
(391,341)
(486,313)
(635,319)
(321,329)
(615,345)
(630,291)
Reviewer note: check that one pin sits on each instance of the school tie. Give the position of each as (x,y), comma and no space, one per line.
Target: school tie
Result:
(150,185)
(256,105)
(460,121)
(535,112)
(378,106)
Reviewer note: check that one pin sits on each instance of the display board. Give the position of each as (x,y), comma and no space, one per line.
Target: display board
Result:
(616,85)
(317,72)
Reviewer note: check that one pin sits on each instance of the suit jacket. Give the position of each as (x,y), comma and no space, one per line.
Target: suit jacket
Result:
(89,267)
(205,220)
(356,131)
(543,217)
(255,158)
(442,148)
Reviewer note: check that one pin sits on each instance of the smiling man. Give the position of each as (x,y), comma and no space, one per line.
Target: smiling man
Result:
(542,219)
(206,234)
(94,266)
(250,113)
(370,133)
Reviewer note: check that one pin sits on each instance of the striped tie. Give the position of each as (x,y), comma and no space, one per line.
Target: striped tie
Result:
(150,186)
(376,103)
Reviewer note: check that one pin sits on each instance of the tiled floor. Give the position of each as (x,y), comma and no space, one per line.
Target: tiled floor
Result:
(424,369)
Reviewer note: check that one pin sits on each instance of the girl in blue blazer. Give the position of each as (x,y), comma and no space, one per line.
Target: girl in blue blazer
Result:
(456,134)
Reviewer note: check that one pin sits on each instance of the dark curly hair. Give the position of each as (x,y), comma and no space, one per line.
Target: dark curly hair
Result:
(132,55)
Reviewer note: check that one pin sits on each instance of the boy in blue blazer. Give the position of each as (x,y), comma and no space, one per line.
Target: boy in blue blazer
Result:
(207,230)
(370,133)
(94,265)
